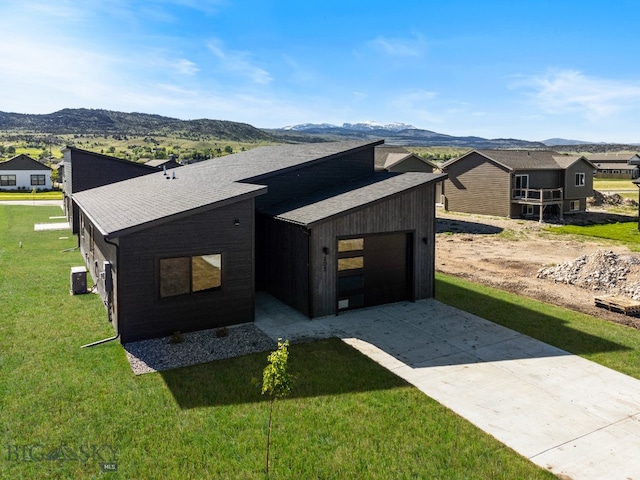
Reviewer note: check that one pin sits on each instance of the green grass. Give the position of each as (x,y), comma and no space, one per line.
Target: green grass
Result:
(625,233)
(614,185)
(612,345)
(27,195)
(347,417)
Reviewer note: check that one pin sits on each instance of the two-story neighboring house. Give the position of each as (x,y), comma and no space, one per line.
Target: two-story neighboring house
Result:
(518,183)
(616,165)
(24,173)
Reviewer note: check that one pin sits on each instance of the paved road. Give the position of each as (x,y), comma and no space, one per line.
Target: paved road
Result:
(567,414)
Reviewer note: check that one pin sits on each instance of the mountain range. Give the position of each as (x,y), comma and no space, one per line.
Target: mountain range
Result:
(84,121)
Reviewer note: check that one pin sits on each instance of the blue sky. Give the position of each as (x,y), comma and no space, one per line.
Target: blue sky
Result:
(492,68)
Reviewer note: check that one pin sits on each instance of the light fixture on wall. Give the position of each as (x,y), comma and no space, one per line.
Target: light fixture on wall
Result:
(236,222)
(325,250)
(424,240)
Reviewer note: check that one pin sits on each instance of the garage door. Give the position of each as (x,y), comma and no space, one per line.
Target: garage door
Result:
(374,270)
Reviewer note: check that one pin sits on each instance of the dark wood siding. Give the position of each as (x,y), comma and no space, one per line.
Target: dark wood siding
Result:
(315,177)
(477,185)
(412,212)
(143,314)
(286,263)
(95,256)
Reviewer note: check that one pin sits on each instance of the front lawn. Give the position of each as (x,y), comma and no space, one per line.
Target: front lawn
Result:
(609,344)
(623,232)
(65,410)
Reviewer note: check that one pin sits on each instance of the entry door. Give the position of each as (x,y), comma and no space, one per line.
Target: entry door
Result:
(374,270)
(522,183)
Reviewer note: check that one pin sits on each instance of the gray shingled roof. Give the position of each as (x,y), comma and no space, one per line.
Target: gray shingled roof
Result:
(136,203)
(610,157)
(525,159)
(325,205)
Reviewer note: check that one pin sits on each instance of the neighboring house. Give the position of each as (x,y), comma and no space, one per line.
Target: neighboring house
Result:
(314,225)
(24,173)
(616,165)
(165,164)
(516,183)
(398,159)
(82,170)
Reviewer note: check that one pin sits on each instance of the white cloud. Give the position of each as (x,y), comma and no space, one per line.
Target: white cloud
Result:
(238,62)
(570,91)
(399,47)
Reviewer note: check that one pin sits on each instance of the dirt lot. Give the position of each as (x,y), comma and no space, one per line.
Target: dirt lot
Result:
(507,254)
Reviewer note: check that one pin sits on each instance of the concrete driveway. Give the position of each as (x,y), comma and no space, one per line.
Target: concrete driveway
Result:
(567,414)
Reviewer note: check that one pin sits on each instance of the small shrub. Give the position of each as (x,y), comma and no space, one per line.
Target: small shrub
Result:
(222,332)
(176,337)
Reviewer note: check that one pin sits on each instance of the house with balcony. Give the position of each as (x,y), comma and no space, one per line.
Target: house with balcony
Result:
(517,183)
(616,165)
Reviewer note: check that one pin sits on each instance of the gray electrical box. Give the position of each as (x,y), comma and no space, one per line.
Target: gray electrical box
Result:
(78,280)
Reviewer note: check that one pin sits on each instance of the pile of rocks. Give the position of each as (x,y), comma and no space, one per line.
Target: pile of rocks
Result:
(612,199)
(602,271)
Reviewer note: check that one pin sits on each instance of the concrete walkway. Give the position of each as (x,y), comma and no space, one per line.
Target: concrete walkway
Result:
(567,414)
(33,203)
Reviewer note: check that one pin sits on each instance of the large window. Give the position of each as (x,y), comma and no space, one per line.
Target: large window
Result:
(185,275)
(574,205)
(579,179)
(7,180)
(521,185)
(38,180)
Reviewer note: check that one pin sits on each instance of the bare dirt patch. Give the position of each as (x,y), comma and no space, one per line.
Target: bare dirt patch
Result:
(508,254)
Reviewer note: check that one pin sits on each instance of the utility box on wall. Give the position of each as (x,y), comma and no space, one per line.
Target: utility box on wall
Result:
(78,280)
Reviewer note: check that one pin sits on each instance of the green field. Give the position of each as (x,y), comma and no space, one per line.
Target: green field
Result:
(347,417)
(615,185)
(9,195)
(626,233)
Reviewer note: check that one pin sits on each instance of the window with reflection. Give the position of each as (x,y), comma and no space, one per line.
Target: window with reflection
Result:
(186,275)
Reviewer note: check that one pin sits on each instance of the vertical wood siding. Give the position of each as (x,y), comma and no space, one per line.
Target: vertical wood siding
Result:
(315,177)
(411,212)
(286,272)
(143,314)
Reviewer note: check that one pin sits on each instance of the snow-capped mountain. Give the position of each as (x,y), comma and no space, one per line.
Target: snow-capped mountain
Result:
(362,126)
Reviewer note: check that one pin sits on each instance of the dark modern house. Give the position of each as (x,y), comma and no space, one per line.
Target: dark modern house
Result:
(616,165)
(82,170)
(314,225)
(517,183)
(24,173)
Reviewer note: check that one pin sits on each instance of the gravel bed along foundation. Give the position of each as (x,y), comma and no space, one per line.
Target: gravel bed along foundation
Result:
(192,348)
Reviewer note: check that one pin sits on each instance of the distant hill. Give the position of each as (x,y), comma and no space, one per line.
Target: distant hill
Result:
(551,142)
(393,134)
(84,121)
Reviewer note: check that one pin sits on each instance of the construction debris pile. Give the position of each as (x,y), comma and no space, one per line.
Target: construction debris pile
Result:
(611,199)
(602,271)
